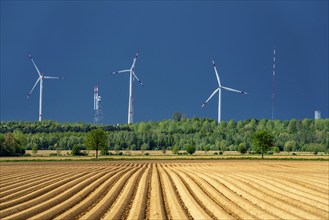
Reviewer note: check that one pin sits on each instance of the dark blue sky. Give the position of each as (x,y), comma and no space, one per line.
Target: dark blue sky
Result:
(84,41)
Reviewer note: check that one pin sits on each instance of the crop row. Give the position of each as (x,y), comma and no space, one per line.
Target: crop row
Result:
(165,190)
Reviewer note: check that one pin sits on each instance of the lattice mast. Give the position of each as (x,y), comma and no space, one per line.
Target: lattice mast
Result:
(98,116)
(273,84)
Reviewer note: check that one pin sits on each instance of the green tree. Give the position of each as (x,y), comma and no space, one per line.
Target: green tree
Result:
(20,138)
(116,148)
(276,149)
(34,149)
(175,150)
(177,116)
(144,147)
(96,140)
(206,148)
(75,150)
(289,146)
(105,151)
(190,149)
(262,141)
(242,148)
(164,149)
(9,146)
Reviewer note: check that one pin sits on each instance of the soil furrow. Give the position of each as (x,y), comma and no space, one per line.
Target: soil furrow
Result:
(269,190)
(195,210)
(320,202)
(138,206)
(39,195)
(267,203)
(117,209)
(156,204)
(212,208)
(24,190)
(55,199)
(228,205)
(174,203)
(275,201)
(102,206)
(82,207)
(75,199)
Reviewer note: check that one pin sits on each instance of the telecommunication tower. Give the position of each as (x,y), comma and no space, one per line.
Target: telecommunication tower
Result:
(273,84)
(98,117)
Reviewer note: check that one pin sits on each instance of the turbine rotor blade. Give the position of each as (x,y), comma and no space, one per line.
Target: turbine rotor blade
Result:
(233,90)
(53,77)
(121,71)
(35,84)
(214,92)
(217,76)
(134,62)
(137,79)
(35,66)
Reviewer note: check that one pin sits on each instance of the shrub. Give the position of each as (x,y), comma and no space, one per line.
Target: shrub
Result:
(289,146)
(75,150)
(34,149)
(276,149)
(242,148)
(105,151)
(206,148)
(164,150)
(144,147)
(190,150)
(175,150)
(116,148)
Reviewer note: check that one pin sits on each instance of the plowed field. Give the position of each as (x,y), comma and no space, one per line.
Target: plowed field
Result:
(165,190)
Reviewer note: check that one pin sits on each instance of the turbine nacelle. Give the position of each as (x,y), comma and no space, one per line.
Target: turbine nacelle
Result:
(219,89)
(40,80)
(133,76)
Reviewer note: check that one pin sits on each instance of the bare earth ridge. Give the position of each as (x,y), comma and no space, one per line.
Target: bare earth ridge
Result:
(165,190)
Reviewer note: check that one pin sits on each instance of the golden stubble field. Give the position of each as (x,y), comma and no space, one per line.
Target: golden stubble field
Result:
(165,190)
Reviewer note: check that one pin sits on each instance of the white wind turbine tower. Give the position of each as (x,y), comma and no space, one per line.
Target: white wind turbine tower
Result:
(132,77)
(219,90)
(40,79)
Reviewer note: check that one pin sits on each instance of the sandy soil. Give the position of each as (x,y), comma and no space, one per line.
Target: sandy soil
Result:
(165,190)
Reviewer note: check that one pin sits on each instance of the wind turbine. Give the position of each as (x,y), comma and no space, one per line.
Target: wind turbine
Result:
(40,79)
(132,77)
(219,90)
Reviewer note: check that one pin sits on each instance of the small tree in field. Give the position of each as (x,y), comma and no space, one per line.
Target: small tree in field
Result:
(75,150)
(96,140)
(175,150)
(190,150)
(105,151)
(34,149)
(206,148)
(276,149)
(144,148)
(164,150)
(262,141)
(116,148)
(289,146)
(242,148)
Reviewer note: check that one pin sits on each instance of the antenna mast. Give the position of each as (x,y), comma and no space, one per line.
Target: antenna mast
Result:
(273,84)
(98,117)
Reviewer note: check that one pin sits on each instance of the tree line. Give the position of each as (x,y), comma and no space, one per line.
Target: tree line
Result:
(179,132)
